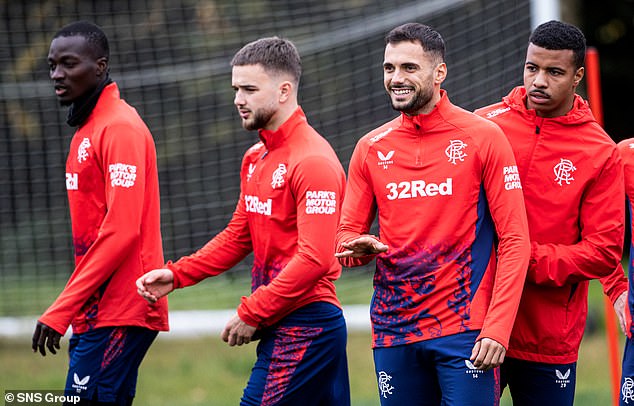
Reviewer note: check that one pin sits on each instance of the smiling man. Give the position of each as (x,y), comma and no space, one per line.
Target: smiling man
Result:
(572,181)
(443,182)
(113,194)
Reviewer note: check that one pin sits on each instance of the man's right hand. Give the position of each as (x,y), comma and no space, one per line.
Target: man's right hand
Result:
(45,337)
(155,284)
(361,247)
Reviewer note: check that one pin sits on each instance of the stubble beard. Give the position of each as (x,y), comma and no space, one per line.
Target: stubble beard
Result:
(421,99)
(260,119)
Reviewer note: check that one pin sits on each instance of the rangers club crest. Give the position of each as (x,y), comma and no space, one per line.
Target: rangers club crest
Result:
(82,151)
(563,171)
(455,151)
(277,180)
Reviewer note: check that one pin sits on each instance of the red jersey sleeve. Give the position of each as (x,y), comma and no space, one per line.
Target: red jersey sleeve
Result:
(506,205)
(221,253)
(314,258)
(123,164)
(359,207)
(614,284)
(601,221)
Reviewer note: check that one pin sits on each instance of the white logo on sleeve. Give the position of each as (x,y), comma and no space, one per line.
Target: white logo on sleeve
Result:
(384,384)
(82,151)
(497,112)
(277,180)
(563,171)
(380,135)
(627,390)
(385,160)
(511,178)
(471,369)
(80,384)
(455,151)
(122,175)
(321,202)
(72,181)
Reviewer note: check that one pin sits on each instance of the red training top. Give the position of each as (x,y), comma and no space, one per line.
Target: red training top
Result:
(113,193)
(572,180)
(291,186)
(445,185)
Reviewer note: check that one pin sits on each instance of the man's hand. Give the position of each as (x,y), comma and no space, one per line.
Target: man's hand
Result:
(362,246)
(45,336)
(155,284)
(237,332)
(620,307)
(487,354)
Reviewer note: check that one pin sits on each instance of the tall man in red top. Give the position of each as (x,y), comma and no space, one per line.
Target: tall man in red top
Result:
(572,181)
(445,185)
(113,193)
(291,189)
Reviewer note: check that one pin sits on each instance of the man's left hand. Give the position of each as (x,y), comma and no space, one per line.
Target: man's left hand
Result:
(237,332)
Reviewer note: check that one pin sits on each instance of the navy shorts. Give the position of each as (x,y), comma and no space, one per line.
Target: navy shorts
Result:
(536,383)
(435,372)
(627,376)
(104,363)
(302,361)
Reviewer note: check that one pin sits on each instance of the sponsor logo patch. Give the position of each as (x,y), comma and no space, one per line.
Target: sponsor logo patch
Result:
(321,202)
(122,175)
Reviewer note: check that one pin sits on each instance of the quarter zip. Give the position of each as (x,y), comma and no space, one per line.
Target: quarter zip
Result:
(419,158)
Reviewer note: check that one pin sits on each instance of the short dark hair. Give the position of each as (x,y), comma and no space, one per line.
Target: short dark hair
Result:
(430,39)
(556,35)
(275,54)
(93,34)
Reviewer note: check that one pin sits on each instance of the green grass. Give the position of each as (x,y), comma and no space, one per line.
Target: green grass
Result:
(206,371)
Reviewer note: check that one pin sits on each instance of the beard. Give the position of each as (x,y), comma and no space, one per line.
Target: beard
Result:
(260,119)
(420,99)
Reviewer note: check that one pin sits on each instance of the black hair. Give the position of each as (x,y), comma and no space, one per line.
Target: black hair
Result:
(273,53)
(430,39)
(93,34)
(556,35)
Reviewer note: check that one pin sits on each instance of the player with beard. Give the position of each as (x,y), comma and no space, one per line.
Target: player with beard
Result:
(291,188)
(113,195)
(572,180)
(444,184)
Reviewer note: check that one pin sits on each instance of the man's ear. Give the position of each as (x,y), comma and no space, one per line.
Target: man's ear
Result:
(102,66)
(440,73)
(285,89)
(579,75)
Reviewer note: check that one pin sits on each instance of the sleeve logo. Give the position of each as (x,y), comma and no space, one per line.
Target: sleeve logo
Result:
(122,175)
(512,178)
(321,202)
